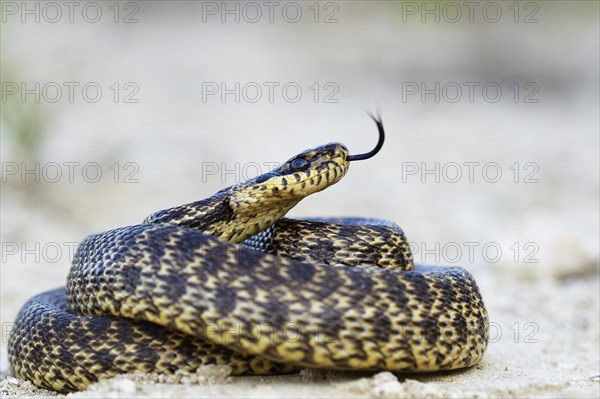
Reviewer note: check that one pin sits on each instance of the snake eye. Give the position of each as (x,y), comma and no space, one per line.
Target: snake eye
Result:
(299,164)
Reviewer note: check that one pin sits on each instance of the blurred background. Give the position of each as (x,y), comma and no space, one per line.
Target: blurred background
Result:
(112,110)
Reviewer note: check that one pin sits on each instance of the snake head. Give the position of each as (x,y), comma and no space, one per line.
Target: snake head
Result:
(306,173)
(271,195)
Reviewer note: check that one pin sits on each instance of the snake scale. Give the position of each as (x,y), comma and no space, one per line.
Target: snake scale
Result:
(227,280)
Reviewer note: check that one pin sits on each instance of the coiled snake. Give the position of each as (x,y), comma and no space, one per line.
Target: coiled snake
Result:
(177,292)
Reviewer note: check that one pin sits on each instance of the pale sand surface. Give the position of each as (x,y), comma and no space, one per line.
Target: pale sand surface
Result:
(542,293)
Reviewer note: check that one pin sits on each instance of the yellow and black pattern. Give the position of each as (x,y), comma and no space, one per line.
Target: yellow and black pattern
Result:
(178,291)
(58,350)
(337,241)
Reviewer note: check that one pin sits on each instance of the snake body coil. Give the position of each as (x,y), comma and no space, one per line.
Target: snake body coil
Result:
(178,291)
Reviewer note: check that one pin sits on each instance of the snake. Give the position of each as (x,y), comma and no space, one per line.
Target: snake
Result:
(228,280)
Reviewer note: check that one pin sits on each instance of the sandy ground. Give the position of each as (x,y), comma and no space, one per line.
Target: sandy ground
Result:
(529,236)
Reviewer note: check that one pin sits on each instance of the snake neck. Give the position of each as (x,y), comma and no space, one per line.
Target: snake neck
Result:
(223,216)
